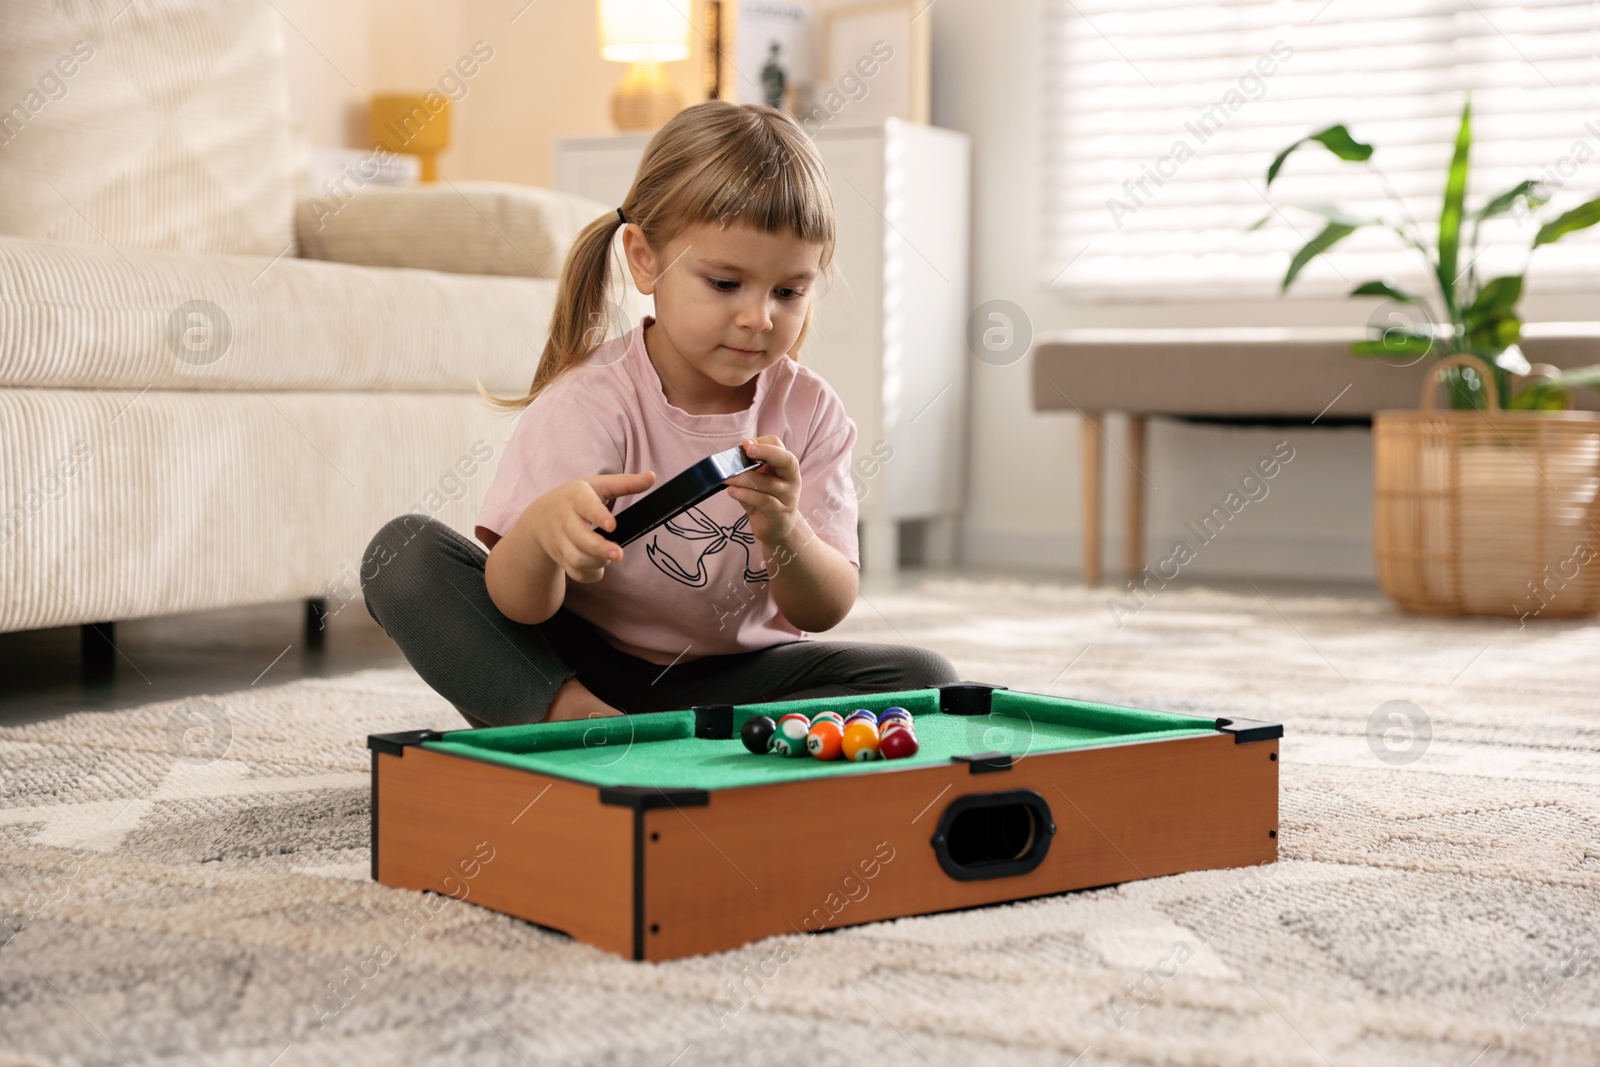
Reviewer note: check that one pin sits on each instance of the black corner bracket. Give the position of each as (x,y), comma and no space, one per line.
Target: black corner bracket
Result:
(713,722)
(1246,730)
(395,744)
(646,798)
(985,762)
(966,698)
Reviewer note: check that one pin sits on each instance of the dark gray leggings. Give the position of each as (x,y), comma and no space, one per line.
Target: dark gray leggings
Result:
(423,583)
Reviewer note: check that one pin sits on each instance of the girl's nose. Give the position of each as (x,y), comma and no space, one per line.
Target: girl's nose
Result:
(755,316)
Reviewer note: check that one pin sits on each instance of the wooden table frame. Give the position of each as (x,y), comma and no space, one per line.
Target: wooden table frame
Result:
(654,874)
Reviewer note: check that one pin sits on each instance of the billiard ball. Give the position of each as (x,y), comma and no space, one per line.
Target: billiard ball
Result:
(757,733)
(790,738)
(860,716)
(833,716)
(893,713)
(860,742)
(895,728)
(826,740)
(868,712)
(898,744)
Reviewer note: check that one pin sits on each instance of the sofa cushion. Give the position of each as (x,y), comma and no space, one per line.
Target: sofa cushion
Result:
(86,316)
(159,124)
(461,227)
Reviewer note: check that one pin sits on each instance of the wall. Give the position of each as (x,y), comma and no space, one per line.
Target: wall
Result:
(546,78)
(328,52)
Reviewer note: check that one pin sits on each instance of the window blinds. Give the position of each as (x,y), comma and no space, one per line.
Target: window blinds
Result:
(1161,117)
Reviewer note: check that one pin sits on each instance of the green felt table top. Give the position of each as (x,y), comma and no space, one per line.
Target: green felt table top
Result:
(660,749)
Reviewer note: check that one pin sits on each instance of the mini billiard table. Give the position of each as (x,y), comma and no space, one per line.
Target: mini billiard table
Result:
(659,835)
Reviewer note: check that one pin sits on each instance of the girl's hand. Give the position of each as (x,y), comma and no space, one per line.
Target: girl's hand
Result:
(770,494)
(564,521)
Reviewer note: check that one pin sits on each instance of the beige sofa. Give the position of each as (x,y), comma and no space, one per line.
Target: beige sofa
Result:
(194,415)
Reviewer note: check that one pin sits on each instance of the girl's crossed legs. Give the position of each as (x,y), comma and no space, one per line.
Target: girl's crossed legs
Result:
(423,583)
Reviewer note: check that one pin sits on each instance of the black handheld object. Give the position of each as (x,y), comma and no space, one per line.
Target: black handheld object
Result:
(699,482)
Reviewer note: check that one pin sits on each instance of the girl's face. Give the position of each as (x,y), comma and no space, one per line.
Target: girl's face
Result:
(730,303)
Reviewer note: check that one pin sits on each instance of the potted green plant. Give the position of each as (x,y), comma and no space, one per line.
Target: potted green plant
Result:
(1480,317)
(1492,507)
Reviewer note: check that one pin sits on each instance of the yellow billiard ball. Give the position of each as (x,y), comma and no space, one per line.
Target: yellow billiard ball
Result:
(860,742)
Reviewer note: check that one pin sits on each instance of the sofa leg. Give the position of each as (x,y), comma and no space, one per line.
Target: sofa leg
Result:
(97,653)
(316,611)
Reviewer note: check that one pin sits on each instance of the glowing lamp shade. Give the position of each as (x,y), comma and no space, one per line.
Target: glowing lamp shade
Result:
(644,34)
(652,30)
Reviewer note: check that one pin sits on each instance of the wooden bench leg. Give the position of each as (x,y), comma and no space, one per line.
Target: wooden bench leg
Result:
(1133,497)
(1089,445)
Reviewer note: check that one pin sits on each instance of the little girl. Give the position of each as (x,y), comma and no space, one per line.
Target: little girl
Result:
(729,226)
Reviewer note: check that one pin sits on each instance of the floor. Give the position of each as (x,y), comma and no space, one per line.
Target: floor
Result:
(181,655)
(1434,902)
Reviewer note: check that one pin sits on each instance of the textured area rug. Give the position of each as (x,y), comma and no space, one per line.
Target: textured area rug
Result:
(187,882)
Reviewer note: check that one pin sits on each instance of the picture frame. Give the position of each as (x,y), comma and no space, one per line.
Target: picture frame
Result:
(854,40)
(761,52)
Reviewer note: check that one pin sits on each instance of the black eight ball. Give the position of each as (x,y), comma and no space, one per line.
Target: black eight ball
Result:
(757,733)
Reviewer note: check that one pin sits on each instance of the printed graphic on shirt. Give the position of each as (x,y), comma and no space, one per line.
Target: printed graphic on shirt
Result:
(687,540)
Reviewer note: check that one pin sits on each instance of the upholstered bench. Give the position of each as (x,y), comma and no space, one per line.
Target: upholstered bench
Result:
(1247,375)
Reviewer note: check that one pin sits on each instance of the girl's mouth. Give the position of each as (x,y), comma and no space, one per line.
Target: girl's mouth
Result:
(743,351)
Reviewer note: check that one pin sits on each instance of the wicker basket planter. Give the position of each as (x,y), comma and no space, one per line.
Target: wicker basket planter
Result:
(1487,512)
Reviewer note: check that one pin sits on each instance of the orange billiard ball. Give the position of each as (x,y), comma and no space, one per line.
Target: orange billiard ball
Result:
(825,740)
(860,742)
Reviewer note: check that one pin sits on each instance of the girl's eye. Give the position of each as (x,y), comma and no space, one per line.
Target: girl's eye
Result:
(727,285)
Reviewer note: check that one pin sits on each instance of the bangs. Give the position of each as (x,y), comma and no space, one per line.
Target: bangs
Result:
(770,179)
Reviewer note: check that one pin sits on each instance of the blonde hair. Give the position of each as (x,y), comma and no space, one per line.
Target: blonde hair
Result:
(715,163)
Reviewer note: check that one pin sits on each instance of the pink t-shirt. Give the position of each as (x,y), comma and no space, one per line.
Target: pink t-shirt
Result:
(698,585)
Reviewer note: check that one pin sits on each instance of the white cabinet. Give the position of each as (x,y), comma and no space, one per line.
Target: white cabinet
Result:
(890,335)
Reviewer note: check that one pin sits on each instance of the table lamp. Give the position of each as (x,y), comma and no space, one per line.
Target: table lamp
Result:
(643,34)
(406,123)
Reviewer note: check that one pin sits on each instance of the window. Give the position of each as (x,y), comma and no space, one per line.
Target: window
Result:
(1161,117)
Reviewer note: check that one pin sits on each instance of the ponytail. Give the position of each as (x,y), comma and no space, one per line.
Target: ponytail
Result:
(578,323)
